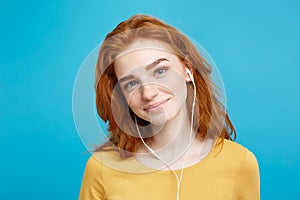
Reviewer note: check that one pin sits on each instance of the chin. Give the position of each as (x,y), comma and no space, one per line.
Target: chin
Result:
(163,118)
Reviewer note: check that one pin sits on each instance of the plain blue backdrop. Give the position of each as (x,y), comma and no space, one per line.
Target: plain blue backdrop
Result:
(255,45)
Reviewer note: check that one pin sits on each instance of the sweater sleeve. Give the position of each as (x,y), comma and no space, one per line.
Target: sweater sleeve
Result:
(92,185)
(248,183)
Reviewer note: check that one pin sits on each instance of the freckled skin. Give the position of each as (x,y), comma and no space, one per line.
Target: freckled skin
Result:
(163,86)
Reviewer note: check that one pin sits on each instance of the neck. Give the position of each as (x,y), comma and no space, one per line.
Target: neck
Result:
(174,146)
(175,136)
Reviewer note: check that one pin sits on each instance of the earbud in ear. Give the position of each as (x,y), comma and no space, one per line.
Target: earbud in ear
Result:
(190,74)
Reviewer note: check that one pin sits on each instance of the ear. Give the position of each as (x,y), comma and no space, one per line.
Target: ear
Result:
(188,73)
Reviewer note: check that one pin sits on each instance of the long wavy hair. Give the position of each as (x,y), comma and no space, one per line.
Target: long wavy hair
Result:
(211,118)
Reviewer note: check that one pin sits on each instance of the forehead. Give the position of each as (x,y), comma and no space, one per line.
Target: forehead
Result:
(140,54)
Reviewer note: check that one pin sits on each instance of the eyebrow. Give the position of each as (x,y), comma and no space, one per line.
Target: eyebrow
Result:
(148,67)
(125,78)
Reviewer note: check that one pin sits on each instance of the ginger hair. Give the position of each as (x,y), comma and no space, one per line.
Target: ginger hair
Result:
(212,119)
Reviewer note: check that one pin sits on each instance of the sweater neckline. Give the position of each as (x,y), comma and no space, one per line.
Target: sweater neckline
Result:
(187,168)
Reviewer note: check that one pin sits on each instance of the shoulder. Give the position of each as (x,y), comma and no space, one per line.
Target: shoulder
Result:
(98,160)
(231,148)
(92,184)
(93,165)
(245,167)
(110,163)
(235,156)
(247,160)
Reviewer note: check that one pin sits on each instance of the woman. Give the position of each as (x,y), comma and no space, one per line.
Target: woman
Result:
(170,135)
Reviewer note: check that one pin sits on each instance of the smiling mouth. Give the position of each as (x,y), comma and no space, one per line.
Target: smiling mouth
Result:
(156,105)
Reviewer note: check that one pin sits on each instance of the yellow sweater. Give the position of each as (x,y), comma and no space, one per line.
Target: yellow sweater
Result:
(227,173)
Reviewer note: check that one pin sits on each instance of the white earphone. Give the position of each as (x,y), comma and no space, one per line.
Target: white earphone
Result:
(190,75)
(178,178)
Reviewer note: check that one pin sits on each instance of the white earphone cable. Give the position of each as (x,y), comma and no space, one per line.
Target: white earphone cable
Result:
(178,179)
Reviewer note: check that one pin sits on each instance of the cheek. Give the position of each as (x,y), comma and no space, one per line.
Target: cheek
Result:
(177,86)
(133,100)
(180,90)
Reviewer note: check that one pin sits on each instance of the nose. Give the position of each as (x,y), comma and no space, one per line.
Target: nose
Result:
(149,92)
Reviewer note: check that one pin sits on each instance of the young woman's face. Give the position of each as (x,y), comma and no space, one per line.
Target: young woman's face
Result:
(153,81)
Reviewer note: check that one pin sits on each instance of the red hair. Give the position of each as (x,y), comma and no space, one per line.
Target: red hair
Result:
(210,122)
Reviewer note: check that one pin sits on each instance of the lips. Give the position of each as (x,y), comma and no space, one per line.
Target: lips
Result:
(156,105)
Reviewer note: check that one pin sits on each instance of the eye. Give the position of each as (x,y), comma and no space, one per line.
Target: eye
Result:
(160,71)
(131,84)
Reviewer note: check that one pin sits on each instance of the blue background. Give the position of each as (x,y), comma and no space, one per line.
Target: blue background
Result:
(255,45)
